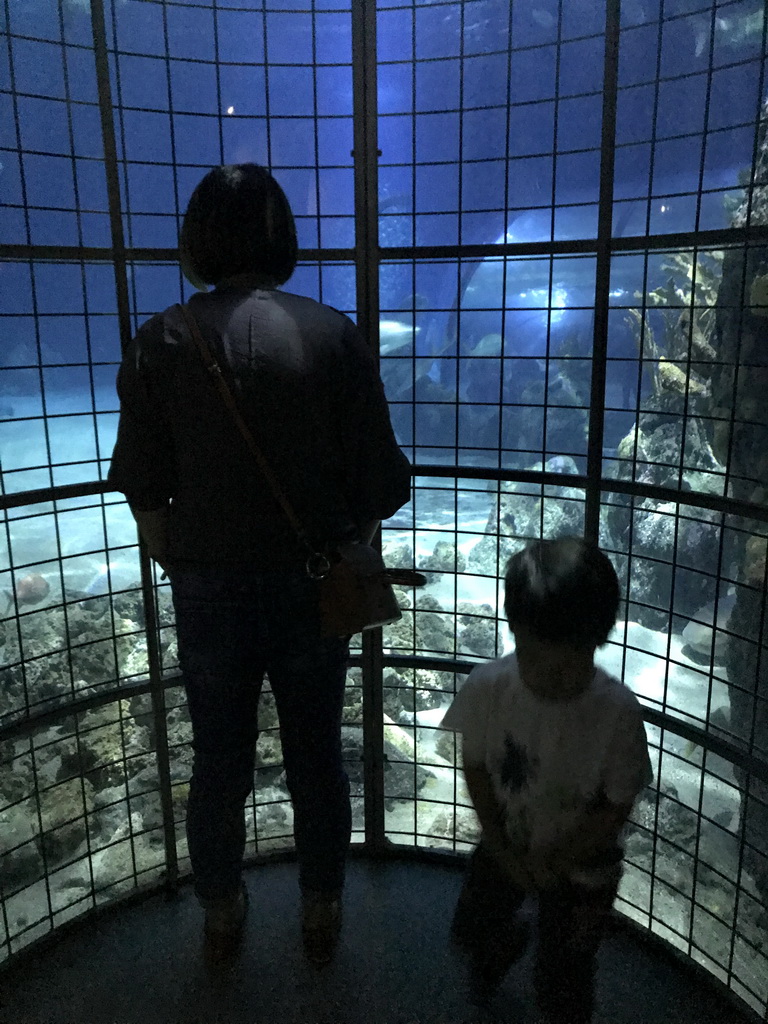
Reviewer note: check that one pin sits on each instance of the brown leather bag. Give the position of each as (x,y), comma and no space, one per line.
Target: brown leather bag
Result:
(352,601)
(355,593)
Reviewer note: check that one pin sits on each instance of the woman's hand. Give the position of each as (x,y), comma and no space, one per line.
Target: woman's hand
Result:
(153,527)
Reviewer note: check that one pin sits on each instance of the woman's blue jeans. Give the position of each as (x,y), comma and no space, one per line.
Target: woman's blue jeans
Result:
(233,626)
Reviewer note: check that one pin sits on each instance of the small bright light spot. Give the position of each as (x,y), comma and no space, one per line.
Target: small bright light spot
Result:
(230,110)
(663,208)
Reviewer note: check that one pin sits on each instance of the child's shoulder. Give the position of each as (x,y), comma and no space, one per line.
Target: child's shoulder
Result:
(611,690)
(500,672)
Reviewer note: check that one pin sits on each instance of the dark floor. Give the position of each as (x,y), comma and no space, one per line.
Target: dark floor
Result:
(141,964)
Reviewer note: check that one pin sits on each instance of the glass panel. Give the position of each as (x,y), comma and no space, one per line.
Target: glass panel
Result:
(469,96)
(696,121)
(81,819)
(250,91)
(490,131)
(50,388)
(495,354)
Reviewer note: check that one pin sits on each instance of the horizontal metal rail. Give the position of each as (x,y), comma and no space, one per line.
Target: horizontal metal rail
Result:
(713,238)
(700,737)
(163,254)
(694,499)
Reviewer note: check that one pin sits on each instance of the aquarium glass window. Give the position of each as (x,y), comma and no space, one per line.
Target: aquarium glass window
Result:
(265,83)
(487,362)
(57,372)
(51,148)
(551,221)
(489,122)
(689,86)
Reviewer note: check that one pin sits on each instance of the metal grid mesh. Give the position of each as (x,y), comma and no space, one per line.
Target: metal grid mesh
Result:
(53,156)
(480,104)
(196,86)
(81,818)
(74,624)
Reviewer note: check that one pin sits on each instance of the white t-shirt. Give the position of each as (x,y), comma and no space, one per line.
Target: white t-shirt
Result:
(549,760)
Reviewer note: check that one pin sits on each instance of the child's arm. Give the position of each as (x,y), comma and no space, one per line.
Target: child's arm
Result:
(597,832)
(627,771)
(491,817)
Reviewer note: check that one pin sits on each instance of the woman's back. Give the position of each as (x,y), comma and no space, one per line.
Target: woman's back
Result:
(310,392)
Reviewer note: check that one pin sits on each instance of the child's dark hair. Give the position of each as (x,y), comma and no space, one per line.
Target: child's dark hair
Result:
(564,591)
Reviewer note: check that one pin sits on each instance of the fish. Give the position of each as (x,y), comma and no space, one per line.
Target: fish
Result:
(31,589)
(394,335)
(731,30)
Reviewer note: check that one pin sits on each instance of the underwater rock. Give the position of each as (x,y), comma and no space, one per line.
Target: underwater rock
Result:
(661,539)
(567,417)
(673,378)
(695,341)
(460,825)
(269,751)
(521,514)
(660,811)
(489,556)
(698,634)
(398,556)
(402,778)
(444,558)
(653,453)
(427,628)
(51,672)
(402,700)
(758,296)
(448,746)
(746,662)
(123,859)
(61,810)
(478,628)
(740,378)
(756,552)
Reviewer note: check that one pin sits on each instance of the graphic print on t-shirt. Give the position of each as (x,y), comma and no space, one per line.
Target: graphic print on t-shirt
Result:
(517,768)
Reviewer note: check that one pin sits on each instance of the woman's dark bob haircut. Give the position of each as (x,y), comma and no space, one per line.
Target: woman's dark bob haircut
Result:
(238,222)
(563,591)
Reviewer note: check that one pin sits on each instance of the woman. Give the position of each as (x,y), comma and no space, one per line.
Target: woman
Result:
(309,390)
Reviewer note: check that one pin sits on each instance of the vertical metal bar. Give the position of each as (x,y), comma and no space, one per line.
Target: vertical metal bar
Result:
(602,273)
(101,55)
(367,259)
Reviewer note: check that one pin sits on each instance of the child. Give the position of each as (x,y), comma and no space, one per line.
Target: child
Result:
(555,754)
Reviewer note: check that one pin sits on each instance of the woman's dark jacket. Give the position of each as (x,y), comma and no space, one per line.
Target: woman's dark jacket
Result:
(311,394)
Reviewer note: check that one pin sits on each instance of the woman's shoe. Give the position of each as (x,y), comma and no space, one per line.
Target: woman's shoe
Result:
(320,927)
(224,921)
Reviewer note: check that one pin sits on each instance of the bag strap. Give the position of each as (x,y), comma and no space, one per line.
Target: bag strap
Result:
(229,400)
